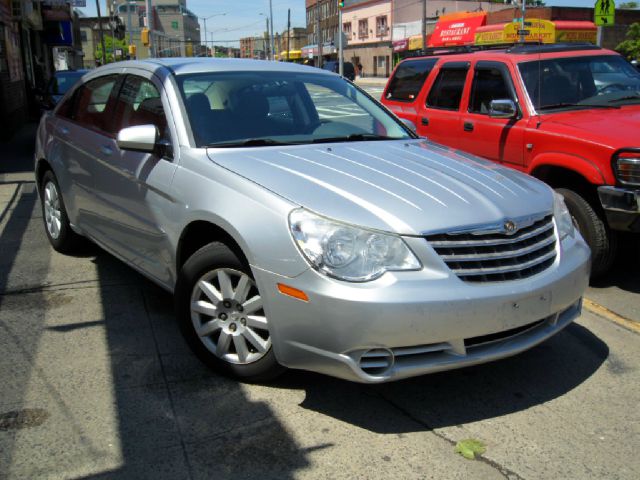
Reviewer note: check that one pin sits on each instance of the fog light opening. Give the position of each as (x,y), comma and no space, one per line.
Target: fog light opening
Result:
(376,361)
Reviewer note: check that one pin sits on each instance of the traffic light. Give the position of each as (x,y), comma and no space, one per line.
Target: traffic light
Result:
(132,50)
(144,36)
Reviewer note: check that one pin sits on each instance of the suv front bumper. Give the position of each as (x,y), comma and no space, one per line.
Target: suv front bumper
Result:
(622,207)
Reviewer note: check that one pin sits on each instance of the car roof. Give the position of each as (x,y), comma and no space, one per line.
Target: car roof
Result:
(515,53)
(184,65)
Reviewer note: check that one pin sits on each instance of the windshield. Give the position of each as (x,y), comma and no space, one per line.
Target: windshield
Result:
(259,108)
(62,82)
(581,82)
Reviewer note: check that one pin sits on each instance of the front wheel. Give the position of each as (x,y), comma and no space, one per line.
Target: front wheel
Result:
(602,241)
(54,213)
(221,315)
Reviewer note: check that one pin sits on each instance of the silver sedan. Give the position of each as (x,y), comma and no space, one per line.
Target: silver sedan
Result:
(300,224)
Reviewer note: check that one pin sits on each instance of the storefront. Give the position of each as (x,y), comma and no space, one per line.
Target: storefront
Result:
(543,31)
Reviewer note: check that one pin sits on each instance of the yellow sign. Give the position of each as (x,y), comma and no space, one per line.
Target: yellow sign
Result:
(580,36)
(604,13)
(542,31)
(415,42)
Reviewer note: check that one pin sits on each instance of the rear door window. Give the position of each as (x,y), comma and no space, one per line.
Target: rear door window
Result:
(408,79)
(446,91)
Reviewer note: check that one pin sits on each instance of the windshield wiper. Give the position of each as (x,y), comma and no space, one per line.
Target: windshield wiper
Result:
(354,137)
(585,105)
(250,142)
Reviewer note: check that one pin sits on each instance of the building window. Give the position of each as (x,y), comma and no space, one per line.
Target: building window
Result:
(381,26)
(346,28)
(363,28)
(83,35)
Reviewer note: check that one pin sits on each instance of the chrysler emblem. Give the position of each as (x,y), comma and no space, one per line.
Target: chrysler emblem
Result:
(509,227)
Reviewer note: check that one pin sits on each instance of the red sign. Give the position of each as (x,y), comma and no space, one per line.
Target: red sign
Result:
(400,45)
(457,29)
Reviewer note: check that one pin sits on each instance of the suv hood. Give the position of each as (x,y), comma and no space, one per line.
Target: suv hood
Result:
(407,187)
(616,128)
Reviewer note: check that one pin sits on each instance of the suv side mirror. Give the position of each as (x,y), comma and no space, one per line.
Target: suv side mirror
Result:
(141,138)
(504,108)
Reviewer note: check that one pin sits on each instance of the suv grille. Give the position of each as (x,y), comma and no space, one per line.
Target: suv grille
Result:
(494,257)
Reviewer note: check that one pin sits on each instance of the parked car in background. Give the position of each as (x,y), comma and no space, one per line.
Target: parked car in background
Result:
(59,84)
(348,70)
(293,235)
(566,114)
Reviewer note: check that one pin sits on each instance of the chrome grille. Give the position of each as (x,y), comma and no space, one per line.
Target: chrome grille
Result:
(494,257)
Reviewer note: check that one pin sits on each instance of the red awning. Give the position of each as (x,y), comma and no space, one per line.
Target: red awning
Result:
(401,45)
(459,30)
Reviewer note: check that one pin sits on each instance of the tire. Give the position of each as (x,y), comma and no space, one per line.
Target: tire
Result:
(54,214)
(602,241)
(220,312)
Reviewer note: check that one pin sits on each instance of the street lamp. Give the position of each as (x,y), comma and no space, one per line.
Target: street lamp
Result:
(204,21)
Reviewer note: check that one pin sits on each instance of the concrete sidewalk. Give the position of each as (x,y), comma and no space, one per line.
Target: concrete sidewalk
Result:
(371,81)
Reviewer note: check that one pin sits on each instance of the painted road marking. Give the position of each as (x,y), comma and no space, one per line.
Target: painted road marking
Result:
(607,314)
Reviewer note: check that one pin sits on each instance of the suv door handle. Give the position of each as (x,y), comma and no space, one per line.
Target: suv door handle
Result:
(468,127)
(424,121)
(106,150)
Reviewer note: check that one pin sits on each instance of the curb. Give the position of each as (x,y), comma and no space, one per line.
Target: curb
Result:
(607,314)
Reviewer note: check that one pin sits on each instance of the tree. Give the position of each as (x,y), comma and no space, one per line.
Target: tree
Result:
(630,47)
(110,44)
(628,5)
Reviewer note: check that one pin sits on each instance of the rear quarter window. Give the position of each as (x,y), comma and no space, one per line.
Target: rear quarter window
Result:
(407,81)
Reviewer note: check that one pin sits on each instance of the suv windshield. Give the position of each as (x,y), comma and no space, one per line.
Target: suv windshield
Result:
(580,82)
(275,108)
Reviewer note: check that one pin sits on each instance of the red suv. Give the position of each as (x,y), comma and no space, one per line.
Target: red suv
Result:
(566,114)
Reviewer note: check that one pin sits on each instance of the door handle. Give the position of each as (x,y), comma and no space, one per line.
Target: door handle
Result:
(424,121)
(468,127)
(64,130)
(106,150)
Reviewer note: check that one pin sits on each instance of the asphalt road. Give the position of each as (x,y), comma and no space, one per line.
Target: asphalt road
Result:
(96,382)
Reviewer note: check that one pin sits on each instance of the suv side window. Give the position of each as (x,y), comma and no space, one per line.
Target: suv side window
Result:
(489,84)
(90,107)
(446,91)
(408,79)
(139,103)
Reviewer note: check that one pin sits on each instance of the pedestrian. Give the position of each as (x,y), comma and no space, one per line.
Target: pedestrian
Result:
(360,70)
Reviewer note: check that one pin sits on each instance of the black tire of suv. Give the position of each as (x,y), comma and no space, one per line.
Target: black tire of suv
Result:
(602,241)
(210,257)
(68,241)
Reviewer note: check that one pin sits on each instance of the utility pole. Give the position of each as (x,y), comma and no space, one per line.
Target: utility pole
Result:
(424,25)
(149,15)
(318,34)
(524,10)
(271,31)
(340,46)
(206,48)
(104,50)
(288,31)
(129,22)
(113,35)
(267,47)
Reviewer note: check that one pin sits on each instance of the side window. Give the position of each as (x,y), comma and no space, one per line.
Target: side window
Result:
(446,91)
(65,108)
(90,108)
(139,103)
(408,79)
(488,84)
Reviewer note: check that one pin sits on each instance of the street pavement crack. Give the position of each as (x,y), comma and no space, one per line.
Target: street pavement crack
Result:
(504,471)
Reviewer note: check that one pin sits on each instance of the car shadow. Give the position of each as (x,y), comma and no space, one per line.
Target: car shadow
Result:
(624,274)
(468,395)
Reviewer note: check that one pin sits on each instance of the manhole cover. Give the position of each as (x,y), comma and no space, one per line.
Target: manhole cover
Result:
(26,418)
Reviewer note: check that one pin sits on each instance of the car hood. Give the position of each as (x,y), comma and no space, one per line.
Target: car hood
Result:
(408,187)
(616,128)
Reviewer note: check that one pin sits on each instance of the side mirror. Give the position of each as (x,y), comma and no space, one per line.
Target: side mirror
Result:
(141,138)
(505,108)
(409,124)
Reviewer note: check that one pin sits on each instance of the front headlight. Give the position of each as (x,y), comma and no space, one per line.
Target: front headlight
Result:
(627,169)
(564,222)
(348,253)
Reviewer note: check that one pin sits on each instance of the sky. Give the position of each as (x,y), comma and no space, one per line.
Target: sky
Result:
(242,17)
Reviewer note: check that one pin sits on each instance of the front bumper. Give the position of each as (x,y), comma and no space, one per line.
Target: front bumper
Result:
(622,207)
(412,323)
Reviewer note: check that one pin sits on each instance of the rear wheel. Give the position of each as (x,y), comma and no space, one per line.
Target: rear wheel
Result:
(56,222)
(592,226)
(221,315)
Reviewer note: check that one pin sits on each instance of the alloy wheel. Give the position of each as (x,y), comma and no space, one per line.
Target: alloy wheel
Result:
(52,211)
(228,317)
